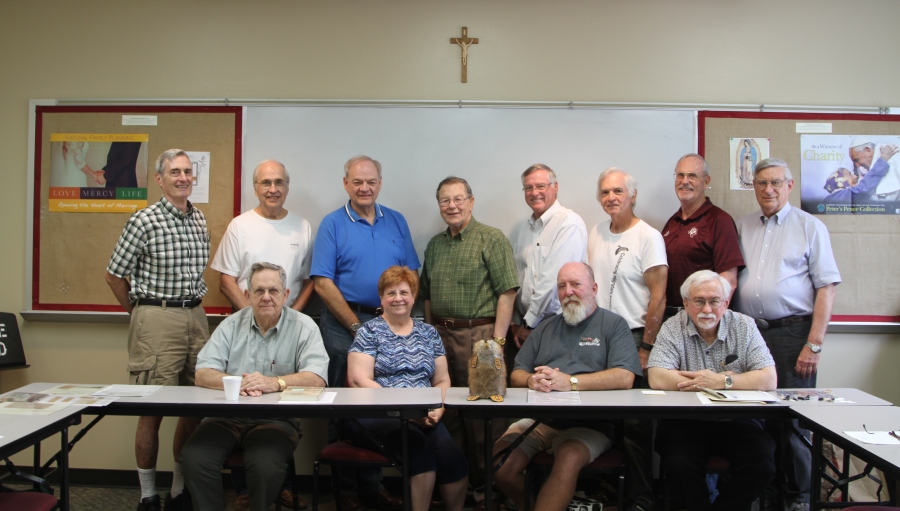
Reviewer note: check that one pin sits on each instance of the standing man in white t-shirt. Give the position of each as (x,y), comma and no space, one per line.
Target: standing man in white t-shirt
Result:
(270,233)
(630,266)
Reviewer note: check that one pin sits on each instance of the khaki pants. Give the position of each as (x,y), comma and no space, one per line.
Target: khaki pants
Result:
(468,434)
(163,344)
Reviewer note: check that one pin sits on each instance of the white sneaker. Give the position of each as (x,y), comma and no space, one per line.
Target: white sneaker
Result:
(798,506)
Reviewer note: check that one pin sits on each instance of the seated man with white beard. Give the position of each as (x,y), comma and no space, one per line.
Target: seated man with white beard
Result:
(584,348)
(706,345)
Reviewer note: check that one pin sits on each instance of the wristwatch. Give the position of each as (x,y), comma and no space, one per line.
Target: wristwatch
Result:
(729,381)
(281,384)
(647,346)
(574,381)
(355,326)
(815,348)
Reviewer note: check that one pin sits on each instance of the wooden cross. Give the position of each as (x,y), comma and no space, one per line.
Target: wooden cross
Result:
(464,43)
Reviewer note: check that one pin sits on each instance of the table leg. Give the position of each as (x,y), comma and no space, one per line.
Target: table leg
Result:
(404,449)
(64,468)
(815,487)
(488,466)
(37,466)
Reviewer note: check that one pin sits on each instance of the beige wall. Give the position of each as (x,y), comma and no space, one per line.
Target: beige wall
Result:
(801,52)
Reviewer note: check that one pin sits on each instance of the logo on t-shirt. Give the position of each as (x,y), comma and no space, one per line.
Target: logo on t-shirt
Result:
(295,246)
(620,248)
(589,341)
(692,232)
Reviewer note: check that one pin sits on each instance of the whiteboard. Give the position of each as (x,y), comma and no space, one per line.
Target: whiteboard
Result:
(489,147)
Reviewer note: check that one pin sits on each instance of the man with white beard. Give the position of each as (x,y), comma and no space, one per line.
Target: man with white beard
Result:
(584,348)
(706,345)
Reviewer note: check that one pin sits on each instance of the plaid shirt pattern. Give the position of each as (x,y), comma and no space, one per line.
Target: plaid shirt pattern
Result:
(164,251)
(463,275)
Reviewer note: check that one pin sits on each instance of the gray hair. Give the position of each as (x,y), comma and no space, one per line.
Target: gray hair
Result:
(356,159)
(630,181)
(773,162)
(702,276)
(694,155)
(539,166)
(166,157)
(287,177)
(860,147)
(453,180)
(258,267)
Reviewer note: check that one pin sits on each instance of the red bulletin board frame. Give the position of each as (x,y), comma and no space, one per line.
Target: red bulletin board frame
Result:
(121,109)
(703,115)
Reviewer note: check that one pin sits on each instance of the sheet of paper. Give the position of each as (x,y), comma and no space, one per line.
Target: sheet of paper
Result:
(653,392)
(78,400)
(566,398)
(30,408)
(873,437)
(73,390)
(127,390)
(326,398)
(200,162)
(704,399)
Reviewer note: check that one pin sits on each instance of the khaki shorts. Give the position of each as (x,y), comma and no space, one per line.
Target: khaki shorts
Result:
(163,344)
(545,438)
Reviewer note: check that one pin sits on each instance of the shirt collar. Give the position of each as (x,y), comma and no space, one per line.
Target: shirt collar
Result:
(352,214)
(550,213)
(707,204)
(462,233)
(275,328)
(781,215)
(172,210)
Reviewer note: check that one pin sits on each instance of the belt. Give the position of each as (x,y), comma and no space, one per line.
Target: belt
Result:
(451,324)
(355,307)
(178,304)
(671,311)
(766,324)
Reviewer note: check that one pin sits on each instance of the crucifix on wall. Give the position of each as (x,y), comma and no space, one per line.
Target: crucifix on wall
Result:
(464,42)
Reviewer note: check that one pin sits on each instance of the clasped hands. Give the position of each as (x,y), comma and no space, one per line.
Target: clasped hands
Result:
(430,421)
(702,379)
(256,384)
(546,379)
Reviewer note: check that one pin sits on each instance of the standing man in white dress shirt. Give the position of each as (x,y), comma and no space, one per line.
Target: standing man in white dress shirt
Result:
(552,236)
(788,286)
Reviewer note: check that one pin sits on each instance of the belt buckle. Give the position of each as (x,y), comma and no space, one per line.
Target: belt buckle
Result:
(448,323)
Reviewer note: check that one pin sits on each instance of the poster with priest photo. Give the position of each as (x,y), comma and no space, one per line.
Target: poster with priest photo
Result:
(850,174)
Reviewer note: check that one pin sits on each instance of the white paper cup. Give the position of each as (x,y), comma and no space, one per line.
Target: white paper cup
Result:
(232,387)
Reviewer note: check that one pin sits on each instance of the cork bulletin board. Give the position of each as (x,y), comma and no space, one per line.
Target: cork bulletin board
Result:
(864,245)
(72,249)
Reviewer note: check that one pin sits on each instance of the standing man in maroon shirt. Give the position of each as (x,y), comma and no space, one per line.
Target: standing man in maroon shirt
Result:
(699,236)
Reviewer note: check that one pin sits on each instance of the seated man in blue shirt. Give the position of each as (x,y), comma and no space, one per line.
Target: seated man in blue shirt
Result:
(691,349)
(272,346)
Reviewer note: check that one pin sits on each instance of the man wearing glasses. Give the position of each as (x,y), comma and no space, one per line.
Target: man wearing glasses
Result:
(699,236)
(469,289)
(267,232)
(708,346)
(788,286)
(551,236)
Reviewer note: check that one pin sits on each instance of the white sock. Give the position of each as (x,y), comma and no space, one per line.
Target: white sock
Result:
(177,480)
(147,476)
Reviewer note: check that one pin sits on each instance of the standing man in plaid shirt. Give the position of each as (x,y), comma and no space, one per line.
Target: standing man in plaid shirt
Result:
(469,287)
(164,248)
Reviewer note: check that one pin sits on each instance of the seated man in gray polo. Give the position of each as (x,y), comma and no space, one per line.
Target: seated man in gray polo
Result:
(706,345)
(272,346)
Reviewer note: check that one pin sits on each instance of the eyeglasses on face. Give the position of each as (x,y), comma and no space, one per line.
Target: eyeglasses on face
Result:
(714,303)
(761,184)
(267,183)
(539,187)
(459,201)
(687,176)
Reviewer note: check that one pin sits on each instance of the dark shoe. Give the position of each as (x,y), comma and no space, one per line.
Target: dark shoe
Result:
(149,504)
(242,502)
(287,500)
(180,503)
(351,503)
(382,501)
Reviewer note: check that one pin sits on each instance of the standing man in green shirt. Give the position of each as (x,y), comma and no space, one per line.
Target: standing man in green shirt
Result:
(469,287)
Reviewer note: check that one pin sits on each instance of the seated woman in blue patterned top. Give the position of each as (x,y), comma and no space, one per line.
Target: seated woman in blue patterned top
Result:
(394,350)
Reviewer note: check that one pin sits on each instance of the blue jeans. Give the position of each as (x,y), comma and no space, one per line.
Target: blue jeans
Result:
(792,457)
(338,340)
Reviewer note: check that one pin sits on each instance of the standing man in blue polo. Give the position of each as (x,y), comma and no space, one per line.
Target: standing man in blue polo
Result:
(788,286)
(353,246)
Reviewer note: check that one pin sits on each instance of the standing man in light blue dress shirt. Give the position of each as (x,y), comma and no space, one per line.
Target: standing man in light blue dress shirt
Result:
(788,286)
(550,237)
